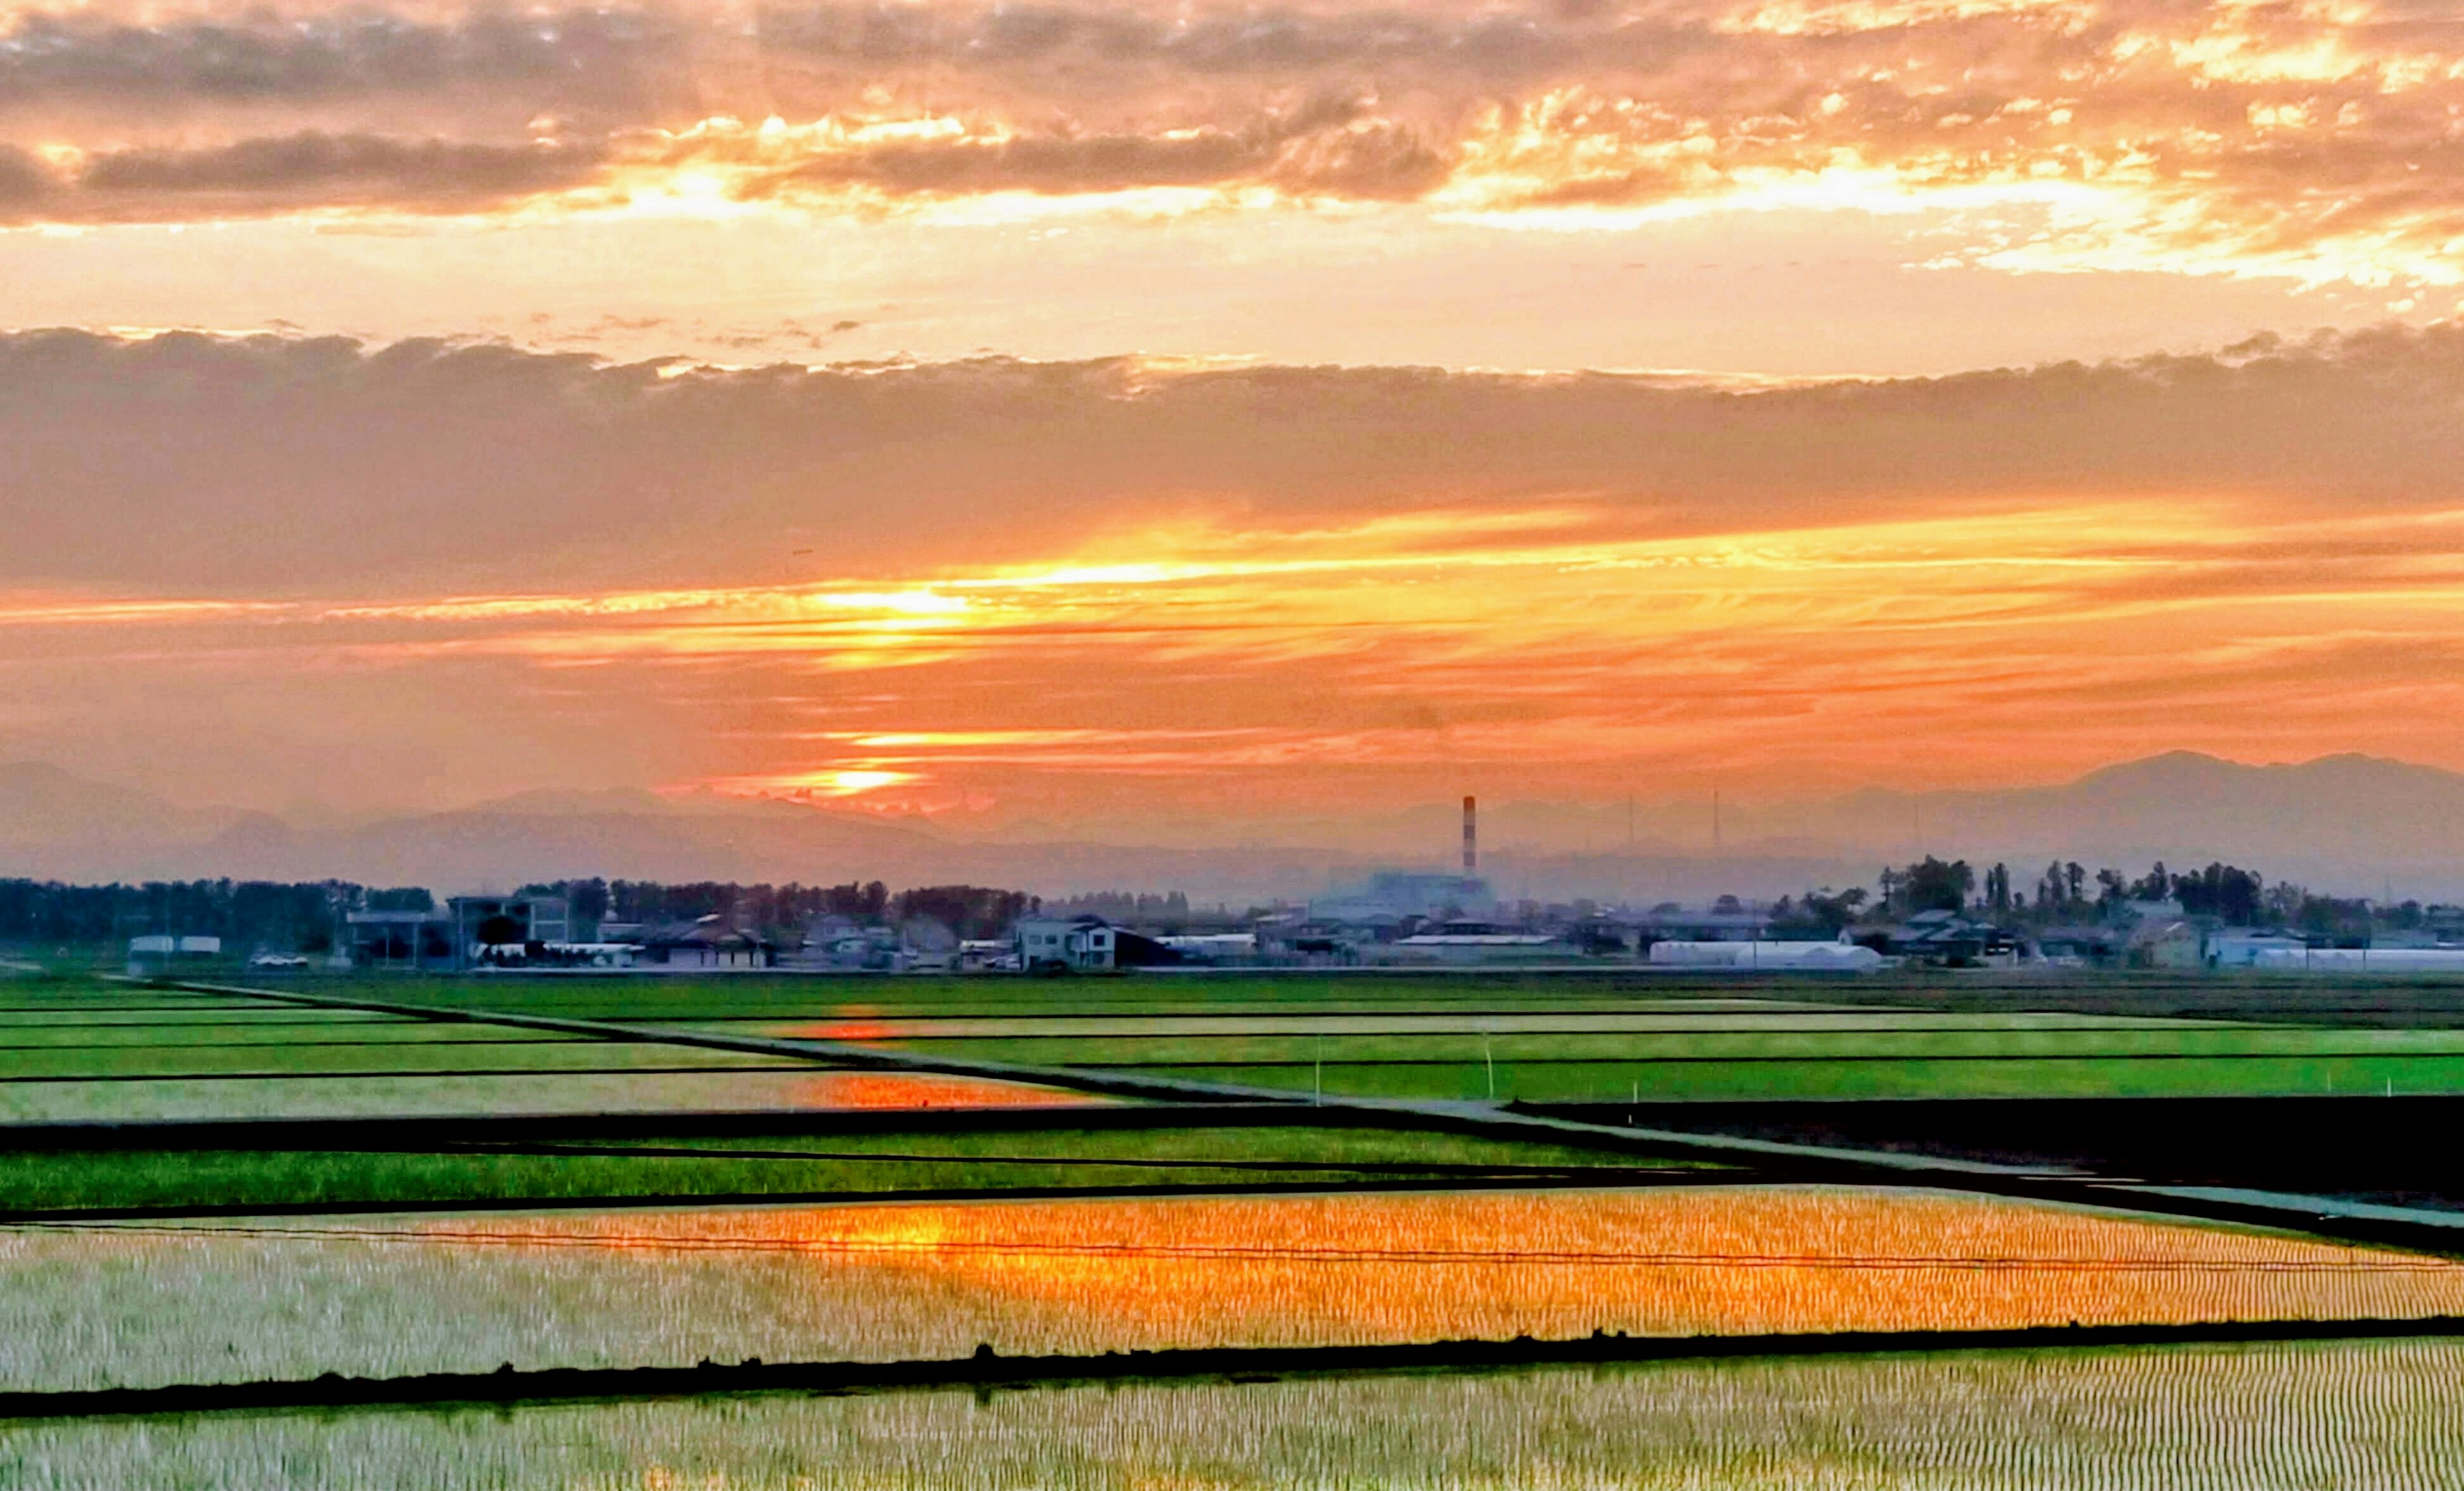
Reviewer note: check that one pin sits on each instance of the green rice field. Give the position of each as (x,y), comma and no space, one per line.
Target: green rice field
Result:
(81,1049)
(37,1182)
(1575,1039)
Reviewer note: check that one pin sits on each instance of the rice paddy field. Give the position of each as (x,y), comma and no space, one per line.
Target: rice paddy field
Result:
(218,1188)
(142,1304)
(1532,1039)
(2279,1418)
(83,1051)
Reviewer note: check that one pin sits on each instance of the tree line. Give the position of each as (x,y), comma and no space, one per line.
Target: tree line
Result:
(2066,892)
(308,917)
(978,911)
(244,914)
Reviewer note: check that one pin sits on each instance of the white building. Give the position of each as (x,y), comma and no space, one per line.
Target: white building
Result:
(1474,947)
(2364,960)
(2237,949)
(153,955)
(1749,956)
(1080,943)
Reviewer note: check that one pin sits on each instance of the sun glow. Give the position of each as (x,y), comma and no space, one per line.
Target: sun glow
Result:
(1578,635)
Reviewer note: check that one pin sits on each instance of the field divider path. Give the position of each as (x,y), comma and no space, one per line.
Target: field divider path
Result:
(986,1370)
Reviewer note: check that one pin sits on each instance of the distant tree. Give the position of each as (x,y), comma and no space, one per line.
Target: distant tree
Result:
(2342,924)
(1933,885)
(2222,891)
(1822,913)
(2282,904)
(977,911)
(589,898)
(2154,885)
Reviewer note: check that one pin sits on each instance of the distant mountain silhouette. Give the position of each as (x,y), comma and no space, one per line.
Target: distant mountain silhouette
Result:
(53,821)
(2347,821)
(2350,824)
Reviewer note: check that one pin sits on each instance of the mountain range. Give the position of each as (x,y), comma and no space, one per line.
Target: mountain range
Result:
(2347,824)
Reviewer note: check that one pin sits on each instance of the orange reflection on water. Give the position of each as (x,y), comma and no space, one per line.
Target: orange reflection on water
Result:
(1093,1276)
(924,1090)
(850,1028)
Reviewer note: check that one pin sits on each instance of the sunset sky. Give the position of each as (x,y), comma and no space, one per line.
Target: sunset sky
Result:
(1099,415)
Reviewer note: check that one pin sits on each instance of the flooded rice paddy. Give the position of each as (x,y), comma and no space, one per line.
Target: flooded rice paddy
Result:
(146,1304)
(354,1096)
(2271,1417)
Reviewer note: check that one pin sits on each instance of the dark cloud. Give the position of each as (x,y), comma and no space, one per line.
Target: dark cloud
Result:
(344,168)
(1056,164)
(24,181)
(289,173)
(356,52)
(203,464)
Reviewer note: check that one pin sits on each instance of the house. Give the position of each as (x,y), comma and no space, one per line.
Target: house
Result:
(926,944)
(1944,939)
(1306,942)
(1045,945)
(2167,943)
(842,943)
(1725,921)
(2077,946)
(709,945)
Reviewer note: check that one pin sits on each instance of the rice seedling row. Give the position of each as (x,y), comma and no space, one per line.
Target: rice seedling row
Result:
(1609,1082)
(1079,1027)
(648,1064)
(1728,1046)
(142,1304)
(530,1092)
(257,1039)
(360,1172)
(2286,1417)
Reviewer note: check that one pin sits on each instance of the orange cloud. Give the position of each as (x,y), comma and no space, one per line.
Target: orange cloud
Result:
(1089,591)
(2308,142)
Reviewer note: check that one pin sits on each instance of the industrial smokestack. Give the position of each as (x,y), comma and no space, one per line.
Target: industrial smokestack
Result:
(1471,835)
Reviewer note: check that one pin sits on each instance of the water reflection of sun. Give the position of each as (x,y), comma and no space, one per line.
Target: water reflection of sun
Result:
(1082,1276)
(923,1090)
